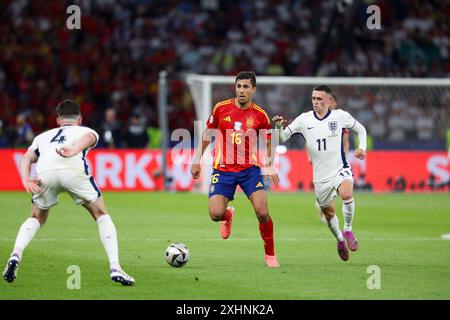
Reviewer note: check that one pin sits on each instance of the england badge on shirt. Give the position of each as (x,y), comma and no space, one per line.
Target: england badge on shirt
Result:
(237,125)
(333,126)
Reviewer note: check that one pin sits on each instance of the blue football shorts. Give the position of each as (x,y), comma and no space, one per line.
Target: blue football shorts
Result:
(225,183)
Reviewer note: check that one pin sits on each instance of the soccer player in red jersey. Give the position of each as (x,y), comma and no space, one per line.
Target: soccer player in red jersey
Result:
(236,124)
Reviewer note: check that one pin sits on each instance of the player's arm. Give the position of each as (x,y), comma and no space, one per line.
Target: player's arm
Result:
(360,152)
(86,141)
(30,184)
(206,140)
(284,134)
(268,169)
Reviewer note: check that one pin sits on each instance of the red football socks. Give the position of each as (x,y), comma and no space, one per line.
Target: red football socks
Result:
(266,230)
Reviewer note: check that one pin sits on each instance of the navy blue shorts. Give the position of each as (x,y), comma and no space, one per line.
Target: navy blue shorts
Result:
(225,183)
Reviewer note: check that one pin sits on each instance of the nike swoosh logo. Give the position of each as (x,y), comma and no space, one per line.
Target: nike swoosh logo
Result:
(309,128)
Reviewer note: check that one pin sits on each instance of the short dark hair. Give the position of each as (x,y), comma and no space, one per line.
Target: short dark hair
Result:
(247,75)
(324,88)
(68,108)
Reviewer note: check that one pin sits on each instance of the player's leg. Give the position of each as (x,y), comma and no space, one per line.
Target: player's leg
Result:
(252,182)
(345,191)
(220,211)
(320,213)
(26,233)
(333,224)
(326,195)
(108,236)
(332,220)
(42,202)
(84,191)
(217,205)
(106,229)
(221,191)
(29,229)
(259,202)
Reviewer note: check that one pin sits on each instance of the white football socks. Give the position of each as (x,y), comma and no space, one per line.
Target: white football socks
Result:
(26,233)
(348,210)
(108,235)
(333,224)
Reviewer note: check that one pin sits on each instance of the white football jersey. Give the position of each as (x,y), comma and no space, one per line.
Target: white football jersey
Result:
(45,145)
(324,141)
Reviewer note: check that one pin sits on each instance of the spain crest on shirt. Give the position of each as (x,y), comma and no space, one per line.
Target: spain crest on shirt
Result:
(250,122)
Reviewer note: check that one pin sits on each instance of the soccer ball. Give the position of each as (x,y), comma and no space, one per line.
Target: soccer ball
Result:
(177,255)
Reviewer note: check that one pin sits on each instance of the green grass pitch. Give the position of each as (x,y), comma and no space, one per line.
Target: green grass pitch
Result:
(399,233)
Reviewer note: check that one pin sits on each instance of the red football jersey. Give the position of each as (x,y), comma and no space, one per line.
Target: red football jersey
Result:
(237,135)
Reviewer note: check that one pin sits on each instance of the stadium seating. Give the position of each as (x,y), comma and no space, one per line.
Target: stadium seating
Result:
(114,60)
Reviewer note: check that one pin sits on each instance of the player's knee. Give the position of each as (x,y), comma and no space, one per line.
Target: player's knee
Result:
(328,213)
(96,213)
(40,216)
(216,214)
(263,219)
(346,196)
(262,214)
(40,219)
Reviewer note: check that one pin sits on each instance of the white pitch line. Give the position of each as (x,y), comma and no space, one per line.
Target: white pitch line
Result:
(229,240)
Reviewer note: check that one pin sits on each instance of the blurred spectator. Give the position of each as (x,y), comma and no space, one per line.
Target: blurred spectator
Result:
(361,184)
(136,134)
(377,127)
(5,136)
(400,184)
(425,127)
(110,131)
(421,185)
(24,133)
(432,182)
(390,182)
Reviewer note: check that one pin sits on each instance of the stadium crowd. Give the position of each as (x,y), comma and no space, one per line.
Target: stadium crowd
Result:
(111,65)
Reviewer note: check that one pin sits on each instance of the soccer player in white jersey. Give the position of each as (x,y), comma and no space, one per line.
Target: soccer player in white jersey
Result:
(323,129)
(346,146)
(60,157)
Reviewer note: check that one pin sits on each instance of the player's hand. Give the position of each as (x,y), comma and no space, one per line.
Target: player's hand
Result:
(67,151)
(279,122)
(32,185)
(272,175)
(360,154)
(195,171)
